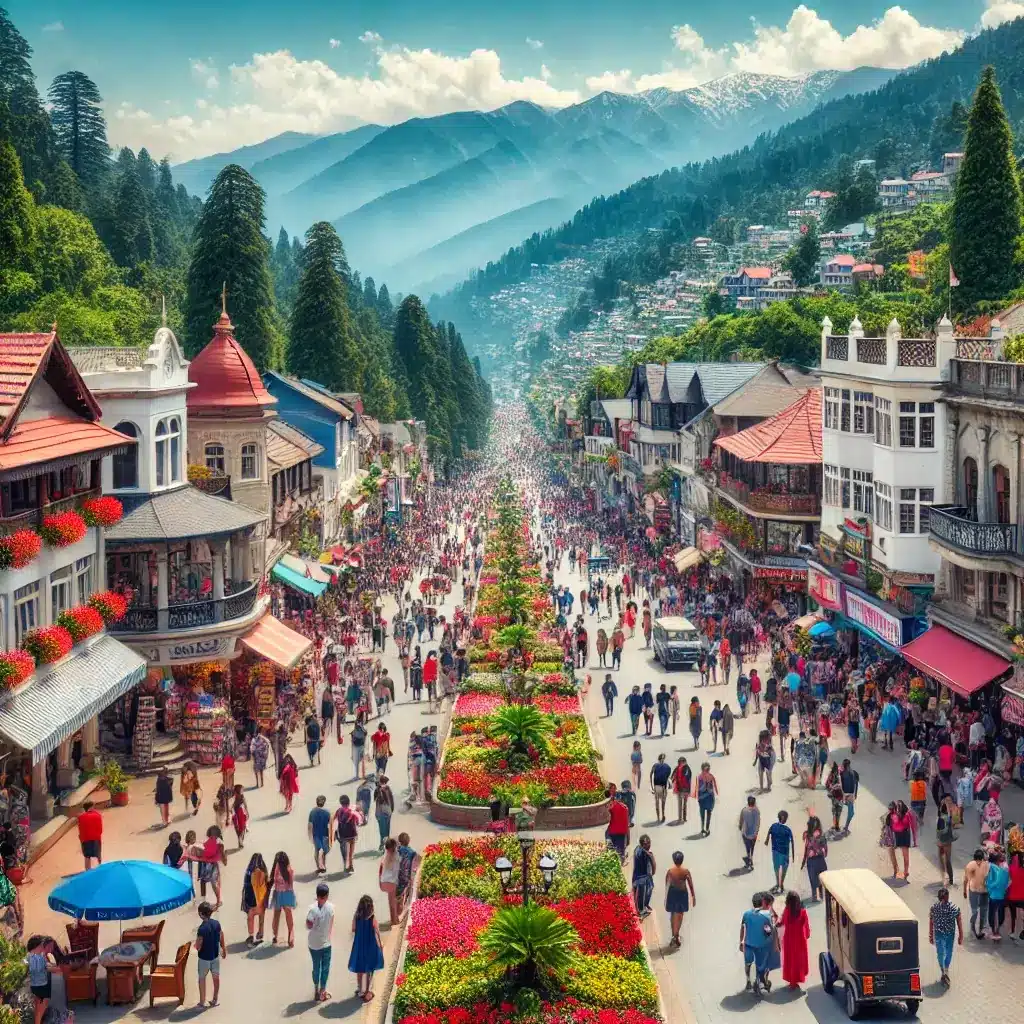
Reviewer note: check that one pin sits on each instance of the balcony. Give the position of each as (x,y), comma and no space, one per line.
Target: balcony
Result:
(192,615)
(217,484)
(31,519)
(769,503)
(953,526)
(990,380)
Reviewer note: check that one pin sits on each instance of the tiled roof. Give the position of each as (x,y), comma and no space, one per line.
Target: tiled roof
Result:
(226,379)
(757,272)
(58,437)
(792,436)
(315,392)
(842,260)
(759,398)
(288,446)
(182,514)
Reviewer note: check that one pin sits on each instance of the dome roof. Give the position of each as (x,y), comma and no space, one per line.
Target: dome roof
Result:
(226,379)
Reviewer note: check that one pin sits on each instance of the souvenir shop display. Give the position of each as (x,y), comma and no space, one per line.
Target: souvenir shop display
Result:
(15,829)
(142,739)
(207,730)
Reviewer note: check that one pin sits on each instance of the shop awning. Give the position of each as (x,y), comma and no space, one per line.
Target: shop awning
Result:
(54,705)
(301,565)
(954,661)
(806,621)
(298,581)
(272,639)
(686,559)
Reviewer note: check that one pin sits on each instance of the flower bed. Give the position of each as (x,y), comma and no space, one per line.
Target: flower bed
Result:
(448,977)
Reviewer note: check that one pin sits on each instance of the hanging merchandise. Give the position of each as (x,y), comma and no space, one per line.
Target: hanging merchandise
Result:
(142,739)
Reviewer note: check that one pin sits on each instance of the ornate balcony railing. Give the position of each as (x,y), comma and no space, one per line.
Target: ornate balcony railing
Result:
(769,501)
(32,518)
(837,347)
(193,615)
(215,483)
(916,352)
(954,525)
(871,350)
(1004,381)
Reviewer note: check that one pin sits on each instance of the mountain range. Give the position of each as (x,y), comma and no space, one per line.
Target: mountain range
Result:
(424,202)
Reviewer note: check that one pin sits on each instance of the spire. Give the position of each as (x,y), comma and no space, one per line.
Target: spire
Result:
(224,299)
(163,310)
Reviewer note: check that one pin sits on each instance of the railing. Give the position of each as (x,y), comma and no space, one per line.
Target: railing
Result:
(193,615)
(871,350)
(32,518)
(916,352)
(954,525)
(769,501)
(988,379)
(837,347)
(216,484)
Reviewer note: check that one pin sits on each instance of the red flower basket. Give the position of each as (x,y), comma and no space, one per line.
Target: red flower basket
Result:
(15,668)
(48,645)
(63,529)
(81,622)
(111,605)
(105,511)
(19,548)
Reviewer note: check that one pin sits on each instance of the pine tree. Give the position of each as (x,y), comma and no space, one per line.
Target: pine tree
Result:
(64,188)
(229,249)
(416,350)
(132,234)
(78,125)
(16,208)
(385,310)
(322,343)
(147,170)
(467,391)
(802,260)
(370,294)
(985,218)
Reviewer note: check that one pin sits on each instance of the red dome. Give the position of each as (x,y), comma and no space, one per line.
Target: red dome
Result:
(225,377)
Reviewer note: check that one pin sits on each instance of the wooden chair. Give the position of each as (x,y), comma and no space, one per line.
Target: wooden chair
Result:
(166,980)
(80,982)
(149,933)
(84,938)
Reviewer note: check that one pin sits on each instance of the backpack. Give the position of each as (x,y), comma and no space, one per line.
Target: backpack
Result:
(347,828)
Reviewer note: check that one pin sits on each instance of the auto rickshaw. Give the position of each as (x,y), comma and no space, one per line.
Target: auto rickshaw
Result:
(872,942)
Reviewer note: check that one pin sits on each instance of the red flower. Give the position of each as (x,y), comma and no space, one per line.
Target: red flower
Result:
(81,622)
(110,604)
(19,548)
(105,511)
(48,645)
(605,923)
(15,668)
(63,529)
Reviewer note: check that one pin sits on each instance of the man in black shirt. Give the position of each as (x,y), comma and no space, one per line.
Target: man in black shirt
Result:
(660,774)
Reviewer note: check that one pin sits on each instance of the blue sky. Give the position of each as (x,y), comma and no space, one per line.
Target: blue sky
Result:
(189,77)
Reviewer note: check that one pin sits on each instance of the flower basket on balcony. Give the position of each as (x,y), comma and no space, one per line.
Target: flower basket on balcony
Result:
(81,622)
(63,529)
(48,645)
(198,472)
(19,548)
(105,511)
(111,605)
(15,668)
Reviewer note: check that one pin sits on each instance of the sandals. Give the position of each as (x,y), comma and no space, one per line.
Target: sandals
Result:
(366,997)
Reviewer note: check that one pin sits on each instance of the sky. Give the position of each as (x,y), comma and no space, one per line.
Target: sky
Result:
(187,78)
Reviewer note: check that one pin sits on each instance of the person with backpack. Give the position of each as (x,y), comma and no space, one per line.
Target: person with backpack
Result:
(346,831)
(609,691)
(695,721)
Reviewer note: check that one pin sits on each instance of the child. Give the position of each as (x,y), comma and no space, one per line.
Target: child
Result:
(174,853)
(636,760)
(240,815)
(918,794)
(211,857)
(40,966)
(364,794)
(222,806)
(191,853)
(629,799)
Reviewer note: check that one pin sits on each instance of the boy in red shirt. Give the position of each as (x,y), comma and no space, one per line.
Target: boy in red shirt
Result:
(90,834)
(618,825)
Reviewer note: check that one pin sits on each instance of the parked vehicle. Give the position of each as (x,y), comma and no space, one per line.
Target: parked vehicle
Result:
(676,642)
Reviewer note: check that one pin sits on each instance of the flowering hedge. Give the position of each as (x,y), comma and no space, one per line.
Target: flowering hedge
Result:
(20,548)
(15,668)
(63,529)
(105,511)
(48,645)
(447,979)
(81,622)
(111,605)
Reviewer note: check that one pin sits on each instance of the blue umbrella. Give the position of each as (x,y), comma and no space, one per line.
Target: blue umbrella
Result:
(822,630)
(122,890)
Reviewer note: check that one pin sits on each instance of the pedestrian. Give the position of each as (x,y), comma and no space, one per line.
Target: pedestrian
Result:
(319,830)
(643,876)
(313,735)
(618,826)
(174,852)
(728,725)
(383,807)
(945,834)
(188,786)
(635,703)
(898,820)
(780,835)
(164,794)
(944,923)
(327,711)
(695,721)
(673,694)
(358,740)
(764,760)
(756,937)
(255,890)
(381,741)
(755,689)
(346,830)
(227,772)
(282,896)
(41,967)
(210,950)
(211,856)
(888,722)
(648,698)
(707,790)
(662,700)
(661,772)
(796,930)
(239,815)
(367,955)
(609,691)
(678,901)
(849,779)
(408,861)
(682,785)
(997,881)
(289,782)
(750,826)
(387,876)
(636,760)
(715,721)
(319,931)
(975,873)
(815,852)
(260,751)
(90,834)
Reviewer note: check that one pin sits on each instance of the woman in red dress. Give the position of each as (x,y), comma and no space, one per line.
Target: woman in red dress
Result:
(796,930)
(289,782)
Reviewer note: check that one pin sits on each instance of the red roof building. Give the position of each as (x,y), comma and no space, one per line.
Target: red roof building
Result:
(227,382)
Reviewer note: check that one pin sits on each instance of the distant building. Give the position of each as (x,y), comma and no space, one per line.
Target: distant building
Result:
(837,271)
(951,163)
(745,282)
(928,183)
(895,193)
(869,272)
(818,199)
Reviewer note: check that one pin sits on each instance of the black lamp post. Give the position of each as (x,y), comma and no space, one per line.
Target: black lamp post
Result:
(547,864)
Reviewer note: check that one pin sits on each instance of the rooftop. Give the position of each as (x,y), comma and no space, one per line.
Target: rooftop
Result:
(225,377)
(182,514)
(313,391)
(842,260)
(54,438)
(792,436)
(288,446)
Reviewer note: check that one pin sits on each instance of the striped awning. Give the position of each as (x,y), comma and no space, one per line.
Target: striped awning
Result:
(272,639)
(52,706)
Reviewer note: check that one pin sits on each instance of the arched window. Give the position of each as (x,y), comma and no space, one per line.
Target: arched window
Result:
(126,465)
(250,462)
(1001,493)
(970,487)
(215,457)
(168,451)
(161,454)
(175,436)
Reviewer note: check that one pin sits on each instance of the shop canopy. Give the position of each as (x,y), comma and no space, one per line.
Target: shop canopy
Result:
(54,705)
(806,621)
(302,566)
(273,640)
(686,559)
(953,661)
(298,581)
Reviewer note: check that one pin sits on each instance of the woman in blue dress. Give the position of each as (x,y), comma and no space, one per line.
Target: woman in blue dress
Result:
(367,953)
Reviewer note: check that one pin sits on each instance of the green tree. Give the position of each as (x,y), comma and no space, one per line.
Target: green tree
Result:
(17,231)
(985,219)
(531,940)
(802,260)
(78,125)
(132,234)
(64,188)
(384,308)
(229,249)
(322,343)
(416,349)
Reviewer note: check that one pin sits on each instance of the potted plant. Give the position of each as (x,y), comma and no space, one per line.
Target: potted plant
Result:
(115,780)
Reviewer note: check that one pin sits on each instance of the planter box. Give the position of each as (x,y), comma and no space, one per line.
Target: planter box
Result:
(478,818)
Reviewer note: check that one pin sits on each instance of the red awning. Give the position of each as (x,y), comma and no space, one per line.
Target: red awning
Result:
(966,667)
(273,640)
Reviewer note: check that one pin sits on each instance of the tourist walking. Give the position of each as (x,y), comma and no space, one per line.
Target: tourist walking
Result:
(254,898)
(728,725)
(695,721)
(319,932)
(643,876)
(682,786)
(383,807)
(282,896)
(346,829)
(210,950)
(976,891)
(188,786)
(815,854)
(164,795)
(609,691)
(750,826)
(367,955)
(796,930)
(945,922)
(661,772)
(289,782)
(678,901)
(260,751)
(319,829)
(387,876)
(707,790)
(780,835)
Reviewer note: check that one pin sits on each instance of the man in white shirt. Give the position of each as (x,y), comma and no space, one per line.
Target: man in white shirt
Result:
(320,927)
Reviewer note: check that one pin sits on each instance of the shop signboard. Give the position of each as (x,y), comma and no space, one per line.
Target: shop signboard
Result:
(1013,710)
(214,648)
(824,587)
(780,574)
(883,624)
(265,695)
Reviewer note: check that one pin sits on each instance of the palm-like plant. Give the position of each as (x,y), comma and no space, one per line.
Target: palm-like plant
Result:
(515,638)
(530,940)
(522,725)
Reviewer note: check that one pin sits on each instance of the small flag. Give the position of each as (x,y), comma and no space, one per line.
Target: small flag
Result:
(954,281)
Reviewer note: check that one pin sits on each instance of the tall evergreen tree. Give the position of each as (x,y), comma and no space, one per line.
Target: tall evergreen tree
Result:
(985,219)
(132,233)
(416,350)
(802,260)
(78,125)
(229,248)
(370,293)
(467,391)
(16,208)
(147,170)
(322,344)
(385,310)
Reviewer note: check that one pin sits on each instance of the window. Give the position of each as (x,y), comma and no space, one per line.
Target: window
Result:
(883,505)
(161,453)
(662,417)
(883,422)
(24,495)
(126,465)
(888,946)
(83,579)
(863,412)
(926,425)
(998,594)
(844,476)
(917,424)
(914,505)
(214,454)
(1001,492)
(970,485)
(61,590)
(250,462)
(831,408)
(863,492)
(908,425)
(645,412)
(175,434)
(844,417)
(26,610)
(831,490)
(168,451)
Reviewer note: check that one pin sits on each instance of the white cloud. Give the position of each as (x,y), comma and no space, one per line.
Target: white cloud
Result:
(999,11)
(334,43)
(534,44)
(54,26)
(205,72)
(371,38)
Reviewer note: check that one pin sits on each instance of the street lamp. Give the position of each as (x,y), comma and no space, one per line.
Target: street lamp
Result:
(547,865)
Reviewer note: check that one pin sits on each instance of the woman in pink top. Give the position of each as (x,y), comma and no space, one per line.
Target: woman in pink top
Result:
(900,821)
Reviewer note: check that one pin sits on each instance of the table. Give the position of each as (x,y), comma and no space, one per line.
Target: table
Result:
(123,964)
